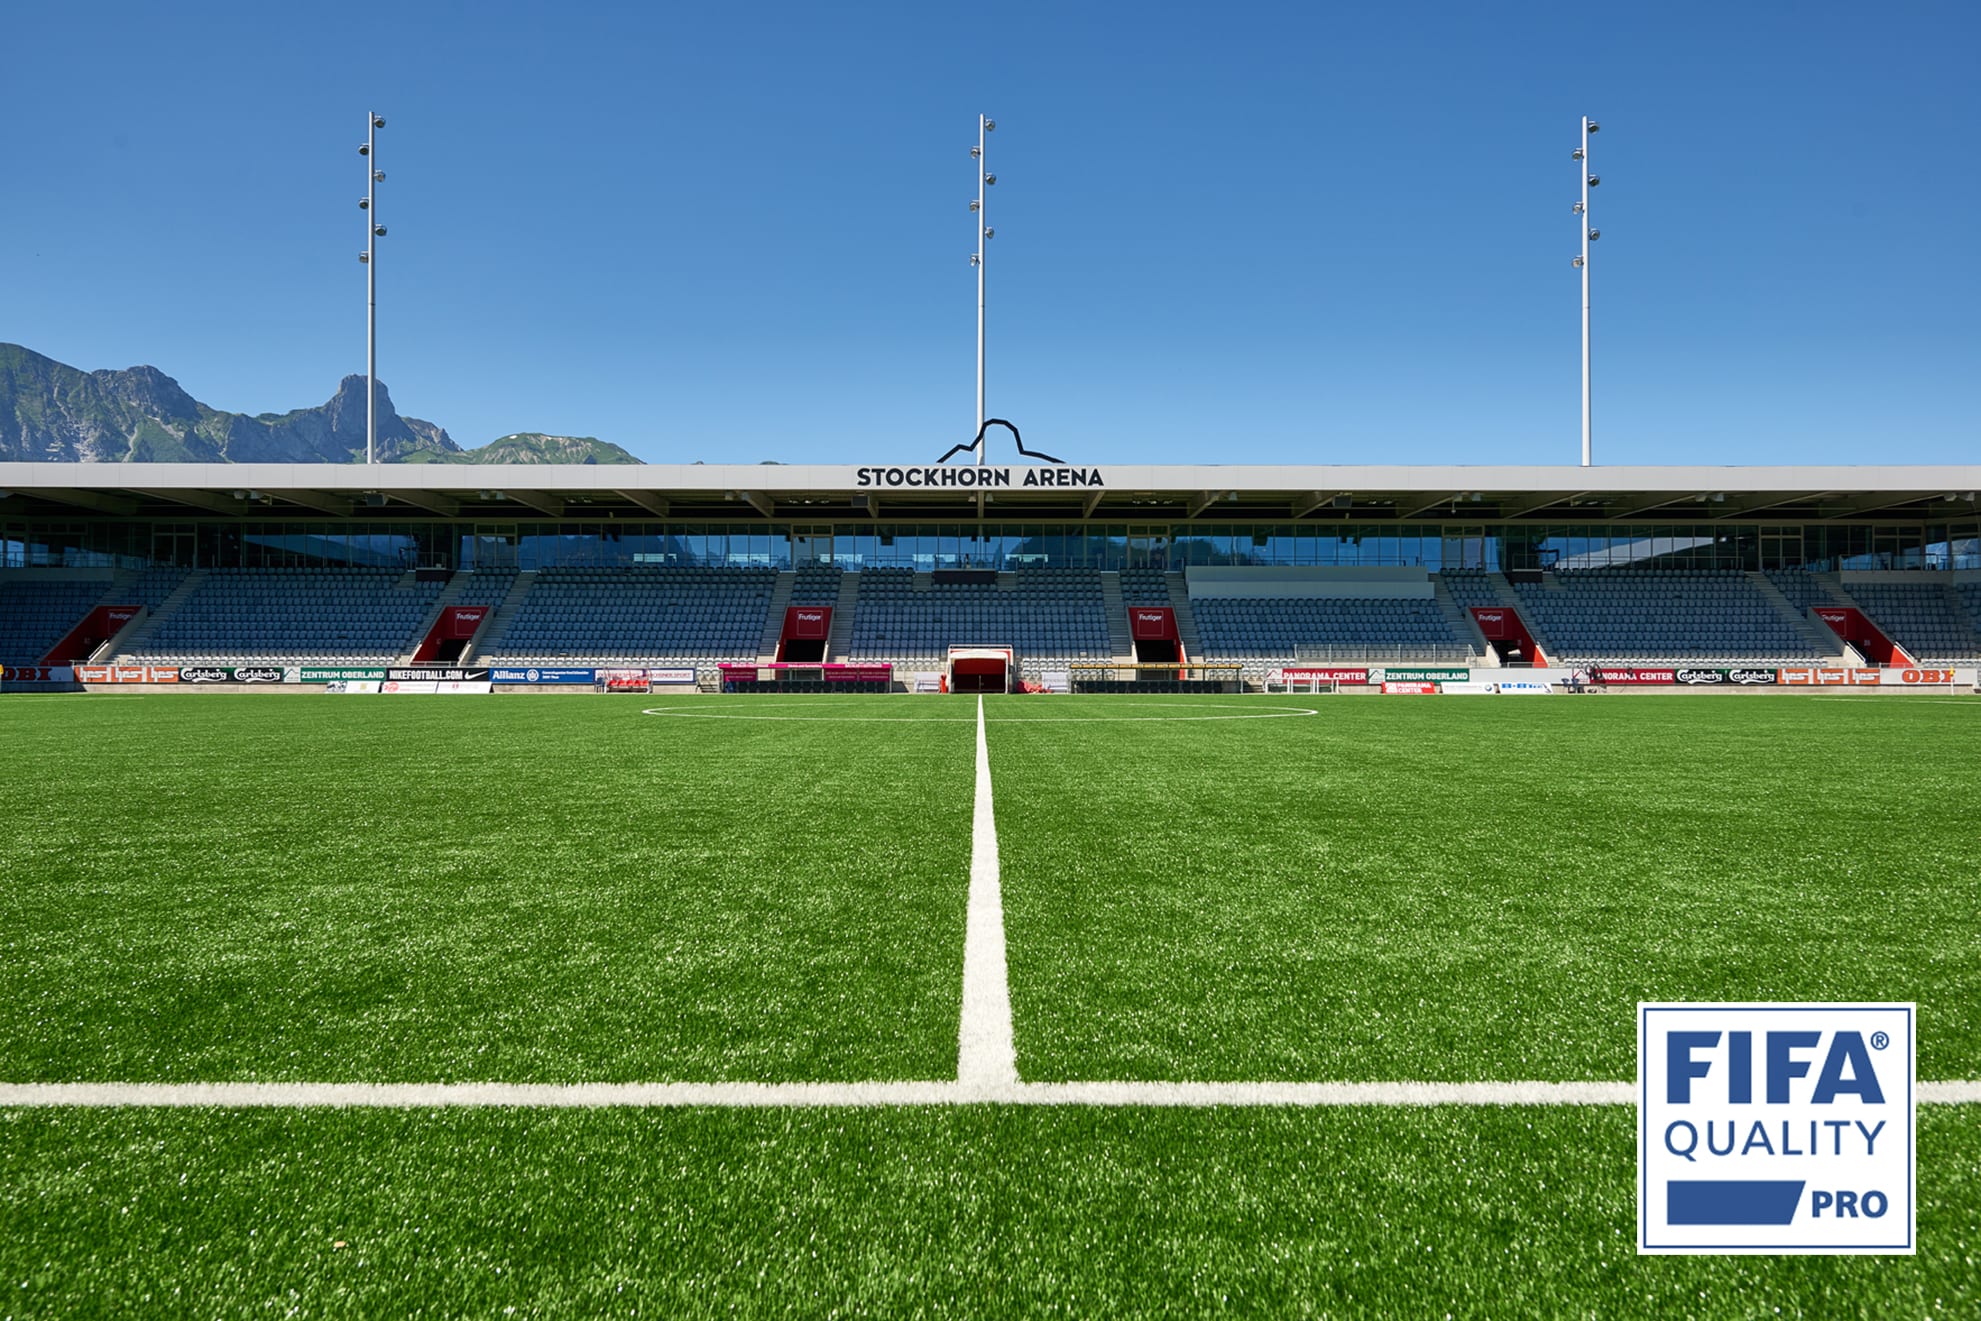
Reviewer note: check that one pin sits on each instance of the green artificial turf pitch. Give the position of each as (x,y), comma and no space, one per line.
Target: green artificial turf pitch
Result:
(201,887)
(971,1211)
(1460,889)
(526,889)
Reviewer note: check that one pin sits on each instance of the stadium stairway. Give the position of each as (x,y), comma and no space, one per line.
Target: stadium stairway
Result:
(128,642)
(780,597)
(1825,642)
(123,590)
(492,632)
(842,617)
(1504,593)
(1120,640)
(1923,612)
(1186,622)
(448,596)
(1463,625)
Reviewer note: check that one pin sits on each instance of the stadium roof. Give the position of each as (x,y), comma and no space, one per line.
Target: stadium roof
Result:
(1320,493)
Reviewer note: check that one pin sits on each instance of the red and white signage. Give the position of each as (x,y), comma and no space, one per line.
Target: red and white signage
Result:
(1410,689)
(1325,674)
(807,622)
(1902,676)
(1607,676)
(1826,677)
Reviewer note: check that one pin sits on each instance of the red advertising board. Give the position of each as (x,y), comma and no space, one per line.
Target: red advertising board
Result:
(1326,674)
(1606,675)
(1151,623)
(808,622)
(1826,677)
(460,621)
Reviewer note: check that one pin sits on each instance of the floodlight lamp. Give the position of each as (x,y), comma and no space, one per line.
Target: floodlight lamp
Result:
(990,179)
(976,152)
(364,149)
(974,204)
(1595,234)
(364,204)
(378,176)
(1593,125)
(990,126)
(1578,154)
(364,256)
(378,121)
(1578,208)
(975,260)
(1576,262)
(380,231)
(989,233)
(1595,179)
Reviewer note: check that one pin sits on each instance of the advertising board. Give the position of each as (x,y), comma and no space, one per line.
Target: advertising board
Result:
(1916,676)
(1326,674)
(675,677)
(340,674)
(540,674)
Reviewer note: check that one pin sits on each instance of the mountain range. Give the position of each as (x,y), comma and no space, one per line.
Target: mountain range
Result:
(51,412)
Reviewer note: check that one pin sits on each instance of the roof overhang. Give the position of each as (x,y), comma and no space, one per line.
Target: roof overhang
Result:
(1317,494)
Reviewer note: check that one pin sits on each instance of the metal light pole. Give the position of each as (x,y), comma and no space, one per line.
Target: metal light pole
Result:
(373,232)
(1582,264)
(984,232)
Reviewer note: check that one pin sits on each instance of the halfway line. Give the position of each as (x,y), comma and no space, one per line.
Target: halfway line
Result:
(985,1056)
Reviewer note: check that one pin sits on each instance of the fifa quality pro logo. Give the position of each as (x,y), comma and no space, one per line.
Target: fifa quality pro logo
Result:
(1775,1128)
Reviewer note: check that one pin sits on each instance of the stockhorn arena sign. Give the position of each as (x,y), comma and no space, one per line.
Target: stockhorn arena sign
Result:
(978,475)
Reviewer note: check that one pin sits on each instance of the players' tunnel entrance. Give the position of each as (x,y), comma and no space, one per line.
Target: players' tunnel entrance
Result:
(980,669)
(1153,631)
(806,629)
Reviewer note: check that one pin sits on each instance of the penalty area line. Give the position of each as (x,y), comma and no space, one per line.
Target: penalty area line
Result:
(745,1095)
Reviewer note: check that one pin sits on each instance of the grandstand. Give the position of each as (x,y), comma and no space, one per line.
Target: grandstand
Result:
(1262,631)
(1660,615)
(1051,617)
(1933,621)
(615,616)
(37,613)
(288,614)
(1259,567)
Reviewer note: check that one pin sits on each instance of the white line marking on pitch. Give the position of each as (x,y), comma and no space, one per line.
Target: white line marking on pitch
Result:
(746,1095)
(985,1056)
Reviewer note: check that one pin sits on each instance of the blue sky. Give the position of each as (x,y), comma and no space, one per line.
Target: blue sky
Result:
(1294,233)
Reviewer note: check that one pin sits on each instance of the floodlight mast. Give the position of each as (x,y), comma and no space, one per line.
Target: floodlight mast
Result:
(985,179)
(373,232)
(1582,262)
